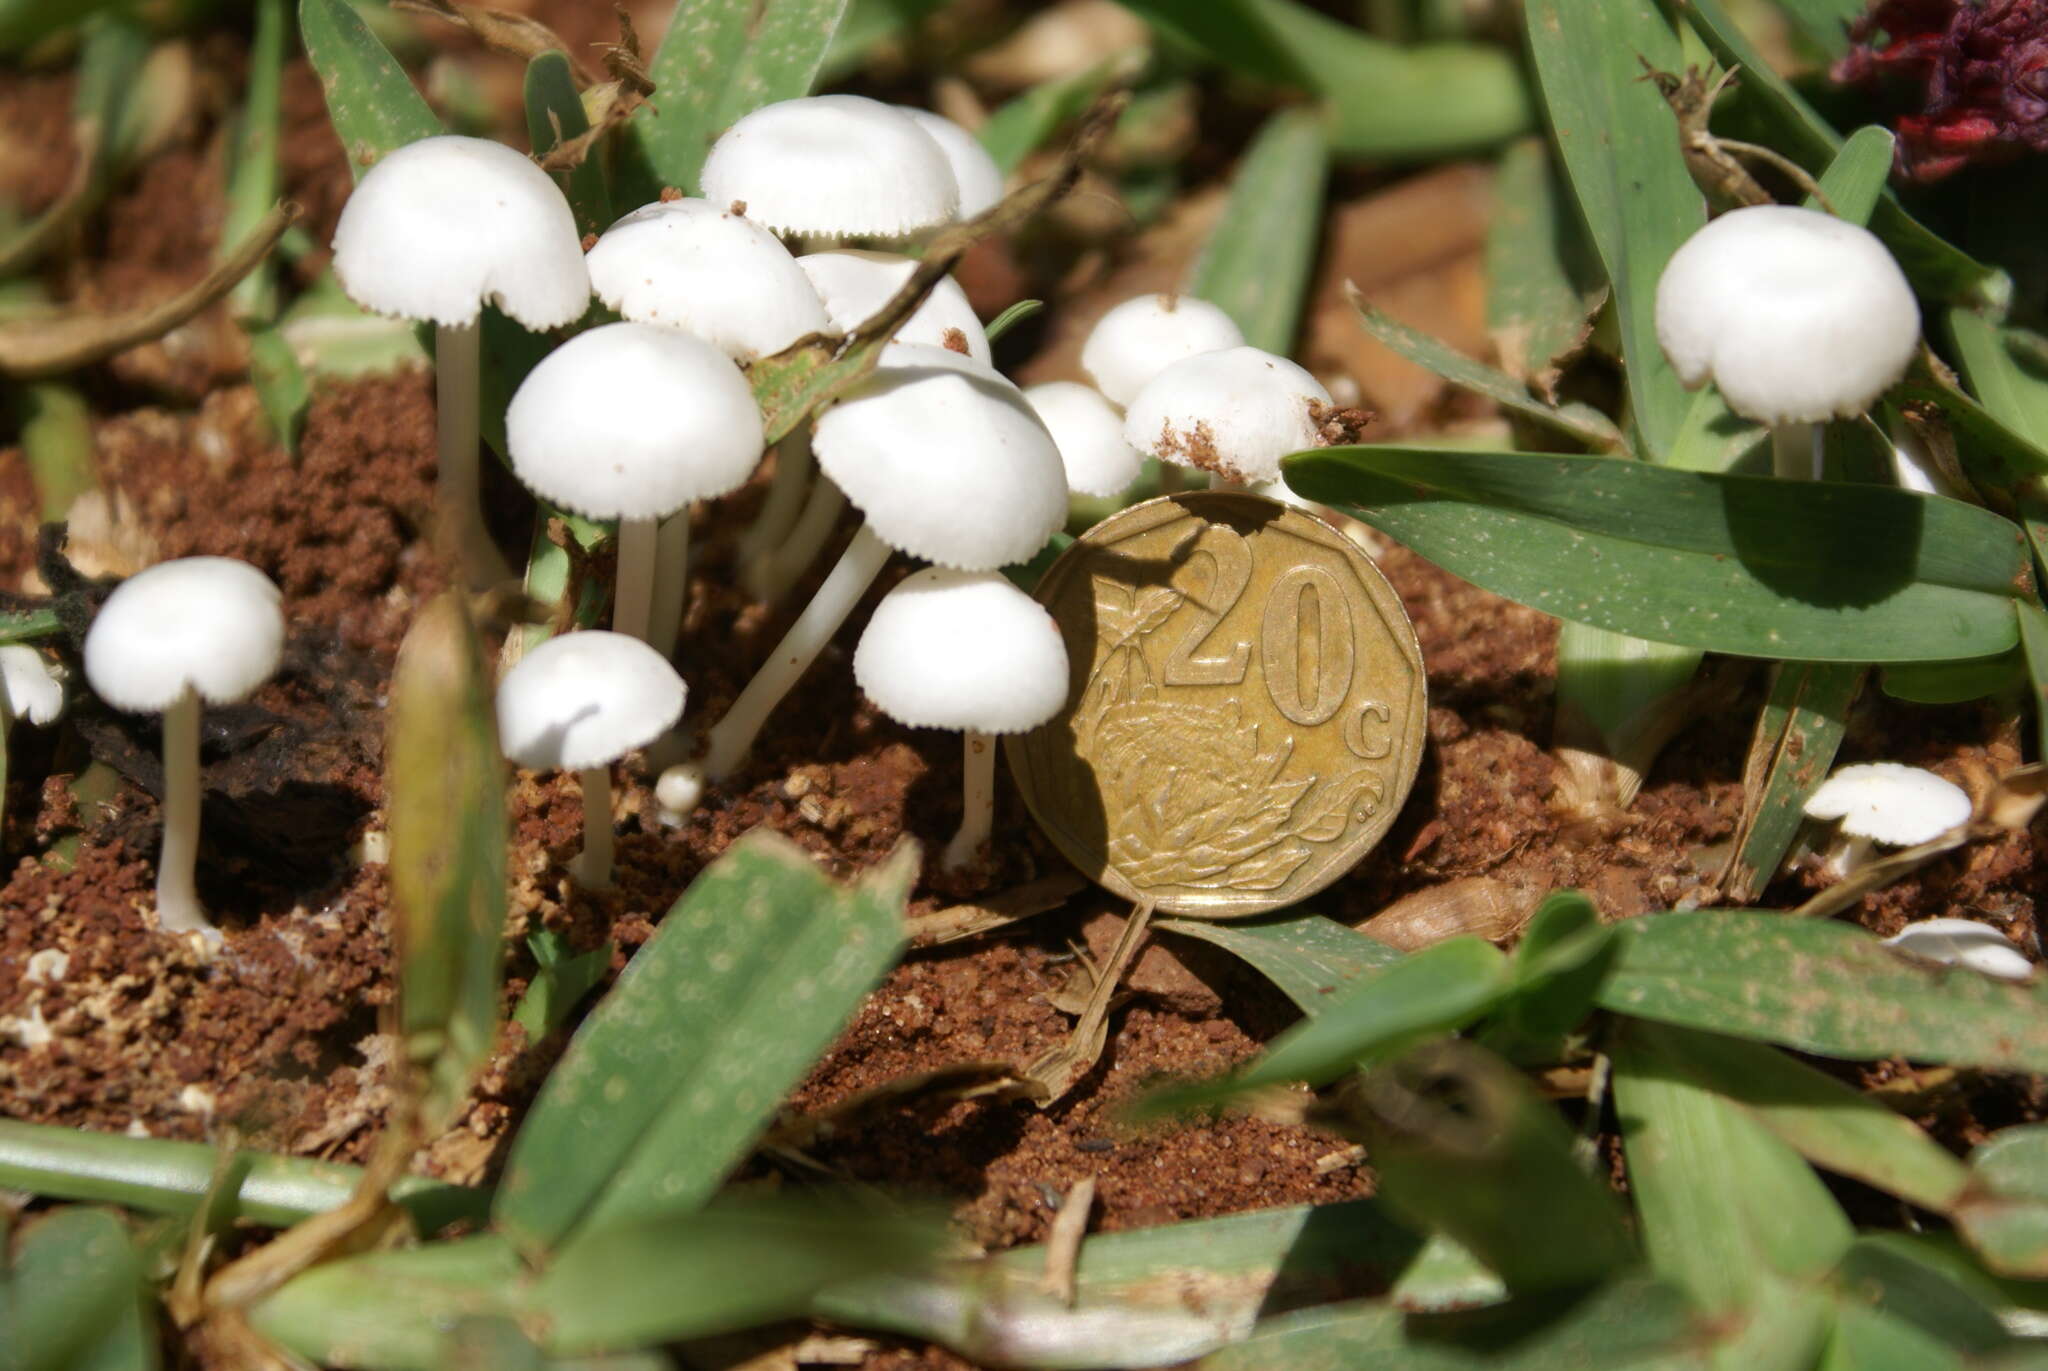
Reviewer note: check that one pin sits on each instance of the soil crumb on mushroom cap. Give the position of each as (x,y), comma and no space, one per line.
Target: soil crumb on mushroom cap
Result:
(212,625)
(686,264)
(442,226)
(963,650)
(1795,315)
(1236,413)
(586,699)
(841,165)
(1890,803)
(1144,336)
(945,459)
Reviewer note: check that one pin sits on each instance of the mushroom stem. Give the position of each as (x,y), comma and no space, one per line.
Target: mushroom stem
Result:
(177,894)
(457,364)
(633,581)
(1797,451)
(671,582)
(770,578)
(593,869)
(732,737)
(977,801)
(780,511)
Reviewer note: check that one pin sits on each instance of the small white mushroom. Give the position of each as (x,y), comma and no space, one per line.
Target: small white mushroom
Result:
(199,628)
(1796,316)
(579,702)
(1884,803)
(633,422)
(948,463)
(31,688)
(1144,336)
(855,284)
(1090,436)
(964,650)
(433,232)
(696,266)
(833,166)
(1233,413)
(974,171)
(1966,943)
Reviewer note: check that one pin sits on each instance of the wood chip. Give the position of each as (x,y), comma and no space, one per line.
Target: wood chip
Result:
(1063,1242)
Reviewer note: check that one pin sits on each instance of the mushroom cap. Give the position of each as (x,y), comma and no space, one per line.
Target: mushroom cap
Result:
(440,226)
(832,164)
(855,283)
(1796,315)
(1236,412)
(631,421)
(974,171)
(586,699)
(1144,336)
(1889,803)
(690,265)
(31,686)
(1964,942)
(210,624)
(946,460)
(964,650)
(1090,436)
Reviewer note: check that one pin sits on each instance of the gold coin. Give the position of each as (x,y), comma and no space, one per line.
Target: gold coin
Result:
(1245,712)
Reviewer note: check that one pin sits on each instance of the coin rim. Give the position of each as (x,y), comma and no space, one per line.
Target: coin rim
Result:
(1384,598)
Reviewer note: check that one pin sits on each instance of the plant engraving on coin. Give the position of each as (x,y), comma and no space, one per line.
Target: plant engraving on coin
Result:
(1247,708)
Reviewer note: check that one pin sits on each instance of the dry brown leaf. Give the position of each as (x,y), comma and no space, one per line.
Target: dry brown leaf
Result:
(1480,905)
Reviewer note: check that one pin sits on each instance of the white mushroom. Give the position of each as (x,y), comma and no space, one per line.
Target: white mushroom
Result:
(579,702)
(1797,316)
(964,650)
(1144,336)
(855,284)
(948,463)
(1966,943)
(1090,436)
(633,422)
(974,171)
(199,628)
(693,265)
(1887,803)
(1233,413)
(434,231)
(831,166)
(31,687)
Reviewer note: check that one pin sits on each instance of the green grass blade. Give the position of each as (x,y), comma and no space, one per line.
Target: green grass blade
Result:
(1543,283)
(717,62)
(554,115)
(1619,145)
(444,785)
(2005,1215)
(1027,122)
(252,186)
(282,387)
(1937,269)
(1386,101)
(1308,956)
(2014,393)
(401,1310)
(1797,734)
(1824,23)
(1579,422)
(677,1070)
(1736,564)
(1464,1145)
(1630,1325)
(2034,644)
(549,569)
(1621,696)
(73,1299)
(1011,317)
(160,1176)
(1955,683)
(1940,1296)
(563,979)
(1259,257)
(55,424)
(1826,988)
(1829,1123)
(370,100)
(1728,1211)
(1855,181)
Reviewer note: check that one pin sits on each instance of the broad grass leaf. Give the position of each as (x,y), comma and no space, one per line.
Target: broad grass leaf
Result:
(1824,23)
(1543,282)
(2005,1214)
(1256,264)
(670,1079)
(400,1310)
(1956,1308)
(1856,179)
(2034,642)
(444,786)
(1821,987)
(1737,564)
(1309,957)
(370,100)
(72,1296)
